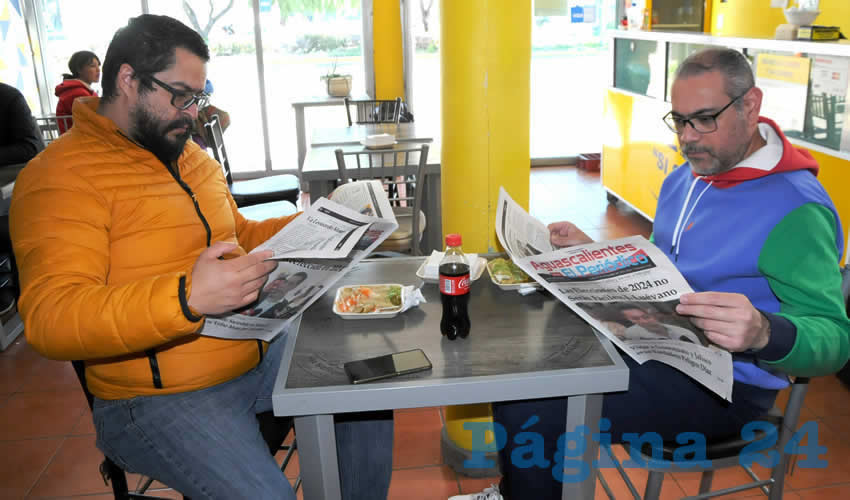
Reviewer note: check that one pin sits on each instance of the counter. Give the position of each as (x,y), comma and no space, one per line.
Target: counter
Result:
(805,86)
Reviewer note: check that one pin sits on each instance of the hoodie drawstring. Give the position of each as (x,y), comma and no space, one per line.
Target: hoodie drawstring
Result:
(680,224)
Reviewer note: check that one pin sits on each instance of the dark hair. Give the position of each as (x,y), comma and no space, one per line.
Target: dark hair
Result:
(147,44)
(78,61)
(732,64)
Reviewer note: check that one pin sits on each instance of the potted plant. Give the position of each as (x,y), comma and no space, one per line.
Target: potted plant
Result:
(338,85)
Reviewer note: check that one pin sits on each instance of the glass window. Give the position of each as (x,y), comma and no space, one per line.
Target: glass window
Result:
(300,47)
(425,24)
(68,27)
(569,64)
(232,70)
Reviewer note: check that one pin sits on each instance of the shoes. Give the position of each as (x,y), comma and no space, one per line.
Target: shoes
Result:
(490,493)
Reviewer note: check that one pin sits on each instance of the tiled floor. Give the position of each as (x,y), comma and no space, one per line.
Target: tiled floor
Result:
(47,439)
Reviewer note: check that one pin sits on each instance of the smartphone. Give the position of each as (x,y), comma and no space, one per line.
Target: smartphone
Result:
(389,365)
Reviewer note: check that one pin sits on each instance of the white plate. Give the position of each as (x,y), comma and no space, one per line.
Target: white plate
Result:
(378,146)
(386,314)
(420,273)
(511,286)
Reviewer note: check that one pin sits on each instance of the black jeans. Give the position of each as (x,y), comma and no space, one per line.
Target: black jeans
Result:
(660,399)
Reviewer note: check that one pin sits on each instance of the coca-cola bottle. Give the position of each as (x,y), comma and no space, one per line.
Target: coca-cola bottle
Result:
(454,290)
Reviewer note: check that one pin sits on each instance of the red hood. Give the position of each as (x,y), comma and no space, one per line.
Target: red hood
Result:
(70,84)
(792,158)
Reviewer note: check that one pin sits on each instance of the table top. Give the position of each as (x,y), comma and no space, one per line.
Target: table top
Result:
(320,162)
(323,100)
(519,347)
(337,136)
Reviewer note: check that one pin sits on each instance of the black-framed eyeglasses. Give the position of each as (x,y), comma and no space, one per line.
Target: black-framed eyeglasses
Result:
(181,99)
(704,123)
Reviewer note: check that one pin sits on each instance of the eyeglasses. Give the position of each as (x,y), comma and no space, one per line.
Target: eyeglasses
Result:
(702,123)
(181,99)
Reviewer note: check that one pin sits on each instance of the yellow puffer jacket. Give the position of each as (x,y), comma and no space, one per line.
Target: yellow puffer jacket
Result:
(105,238)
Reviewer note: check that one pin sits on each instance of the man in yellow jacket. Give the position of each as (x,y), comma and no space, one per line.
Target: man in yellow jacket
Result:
(126,236)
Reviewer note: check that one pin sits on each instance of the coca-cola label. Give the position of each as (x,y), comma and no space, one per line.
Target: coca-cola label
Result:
(454,285)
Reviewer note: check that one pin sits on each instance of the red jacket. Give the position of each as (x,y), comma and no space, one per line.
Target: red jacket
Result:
(67,91)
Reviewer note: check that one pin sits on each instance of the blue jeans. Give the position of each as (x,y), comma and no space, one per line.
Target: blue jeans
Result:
(660,399)
(207,443)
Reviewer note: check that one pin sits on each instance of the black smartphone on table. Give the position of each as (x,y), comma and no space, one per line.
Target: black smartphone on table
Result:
(386,366)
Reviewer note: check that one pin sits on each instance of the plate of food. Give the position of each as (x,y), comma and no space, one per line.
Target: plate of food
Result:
(368,301)
(508,276)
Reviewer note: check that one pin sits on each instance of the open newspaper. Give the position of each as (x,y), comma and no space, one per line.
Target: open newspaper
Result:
(314,250)
(626,288)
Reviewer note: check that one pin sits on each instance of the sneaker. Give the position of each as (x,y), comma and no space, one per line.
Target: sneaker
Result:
(491,493)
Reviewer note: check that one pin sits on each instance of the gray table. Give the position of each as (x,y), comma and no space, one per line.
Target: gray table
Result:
(340,136)
(311,102)
(520,347)
(321,175)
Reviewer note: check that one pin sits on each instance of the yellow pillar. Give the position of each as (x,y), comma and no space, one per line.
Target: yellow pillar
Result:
(387,47)
(485,51)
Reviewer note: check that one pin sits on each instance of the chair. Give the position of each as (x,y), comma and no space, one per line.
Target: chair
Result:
(274,430)
(254,191)
(49,126)
(724,453)
(402,171)
(377,111)
(269,210)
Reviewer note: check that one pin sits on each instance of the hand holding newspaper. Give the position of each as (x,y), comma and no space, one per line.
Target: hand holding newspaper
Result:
(626,288)
(315,250)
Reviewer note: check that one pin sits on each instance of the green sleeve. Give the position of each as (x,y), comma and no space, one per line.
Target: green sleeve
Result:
(800,261)
(652,237)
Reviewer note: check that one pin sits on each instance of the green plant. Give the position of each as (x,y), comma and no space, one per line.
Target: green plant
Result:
(332,72)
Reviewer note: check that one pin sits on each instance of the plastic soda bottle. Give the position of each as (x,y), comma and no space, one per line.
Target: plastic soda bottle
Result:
(454,290)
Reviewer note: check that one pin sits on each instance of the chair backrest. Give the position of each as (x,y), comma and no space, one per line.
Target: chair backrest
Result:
(215,140)
(401,169)
(374,111)
(52,126)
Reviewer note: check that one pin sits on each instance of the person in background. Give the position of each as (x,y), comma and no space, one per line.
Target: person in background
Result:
(205,114)
(20,139)
(757,237)
(120,228)
(85,70)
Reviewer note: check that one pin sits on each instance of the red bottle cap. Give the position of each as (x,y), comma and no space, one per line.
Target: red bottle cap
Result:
(453,240)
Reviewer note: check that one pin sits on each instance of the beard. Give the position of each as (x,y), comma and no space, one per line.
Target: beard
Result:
(151,133)
(717,162)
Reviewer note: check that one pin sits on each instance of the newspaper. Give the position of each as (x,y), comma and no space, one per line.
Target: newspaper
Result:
(626,288)
(314,250)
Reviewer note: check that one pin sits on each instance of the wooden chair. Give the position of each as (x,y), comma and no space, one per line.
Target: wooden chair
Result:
(274,430)
(254,191)
(402,171)
(377,111)
(725,453)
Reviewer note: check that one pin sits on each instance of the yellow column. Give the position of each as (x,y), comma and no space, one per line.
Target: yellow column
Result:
(387,46)
(485,51)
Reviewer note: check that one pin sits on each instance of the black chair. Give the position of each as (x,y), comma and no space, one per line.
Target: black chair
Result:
(373,111)
(274,430)
(269,210)
(254,191)
(724,453)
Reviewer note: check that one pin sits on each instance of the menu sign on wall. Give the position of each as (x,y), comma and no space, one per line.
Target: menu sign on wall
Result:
(785,82)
